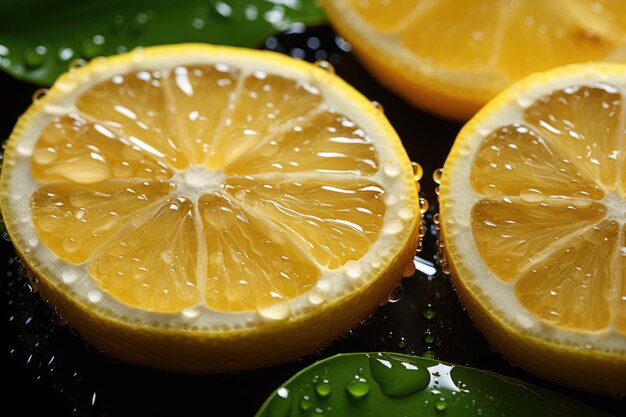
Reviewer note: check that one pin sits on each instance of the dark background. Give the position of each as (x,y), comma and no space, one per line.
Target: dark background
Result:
(51,370)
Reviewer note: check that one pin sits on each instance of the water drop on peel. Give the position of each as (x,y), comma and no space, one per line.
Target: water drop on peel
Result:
(69,276)
(316,297)
(323,388)
(358,388)
(276,312)
(353,269)
(325,65)
(396,294)
(391,169)
(418,172)
(190,313)
(393,227)
(398,378)
(94,296)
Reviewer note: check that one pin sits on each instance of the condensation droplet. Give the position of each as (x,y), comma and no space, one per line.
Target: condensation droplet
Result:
(190,312)
(353,269)
(69,276)
(392,169)
(94,296)
(317,297)
(393,227)
(325,65)
(280,311)
(396,294)
(437,175)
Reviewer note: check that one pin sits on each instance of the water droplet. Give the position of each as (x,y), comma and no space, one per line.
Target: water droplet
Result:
(279,311)
(39,93)
(430,354)
(406,212)
(418,172)
(358,387)
(396,294)
(70,245)
(531,195)
(66,53)
(280,404)
(93,46)
(222,10)
(427,337)
(396,377)
(167,256)
(325,65)
(305,403)
(353,269)
(402,343)
(317,297)
(34,57)
(94,296)
(437,175)
(191,312)
(323,388)
(441,405)
(429,313)
(69,276)
(33,241)
(423,205)
(378,106)
(393,227)
(392,169)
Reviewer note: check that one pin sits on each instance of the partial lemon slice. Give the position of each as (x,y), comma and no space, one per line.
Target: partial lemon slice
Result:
(207,208)
(451,56)
(533,208)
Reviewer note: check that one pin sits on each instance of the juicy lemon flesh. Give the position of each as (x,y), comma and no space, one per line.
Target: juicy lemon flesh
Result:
(551,217)
(202,185)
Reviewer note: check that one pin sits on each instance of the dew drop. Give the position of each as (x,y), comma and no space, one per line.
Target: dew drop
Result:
(317,297)
(437,175)
(33,241)
(396,294)
(378,106)
(94,296)
(70,245)
(531,195)
(429,313)
(34,57)
(323,388)
(396,377)
(392,169)
(401,343)
(39,93)
(69,276)
(353,269)
(276,312)
(190,313)
(406,212)
(358,388)
(93,46)
(441,405)
(418,172)
(325,65)
(393,227)
(167,256)
(305,403)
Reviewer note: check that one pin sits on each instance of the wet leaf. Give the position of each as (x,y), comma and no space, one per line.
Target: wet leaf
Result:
(394,385)
(39,38)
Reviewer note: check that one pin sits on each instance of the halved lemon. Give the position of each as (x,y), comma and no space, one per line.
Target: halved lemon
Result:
(205,208)
(451,56)
(533,213)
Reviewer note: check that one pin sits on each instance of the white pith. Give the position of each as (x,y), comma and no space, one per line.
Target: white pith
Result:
(196,181)
(458,198)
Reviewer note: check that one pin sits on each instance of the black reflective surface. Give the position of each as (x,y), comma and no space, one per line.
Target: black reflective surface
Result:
(51,370)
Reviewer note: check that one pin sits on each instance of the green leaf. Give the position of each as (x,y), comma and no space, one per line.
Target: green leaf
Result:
(39,38)
(394,385)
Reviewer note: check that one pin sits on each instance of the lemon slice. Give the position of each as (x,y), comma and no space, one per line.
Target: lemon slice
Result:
(207,208)
(450,56)
(533,207)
